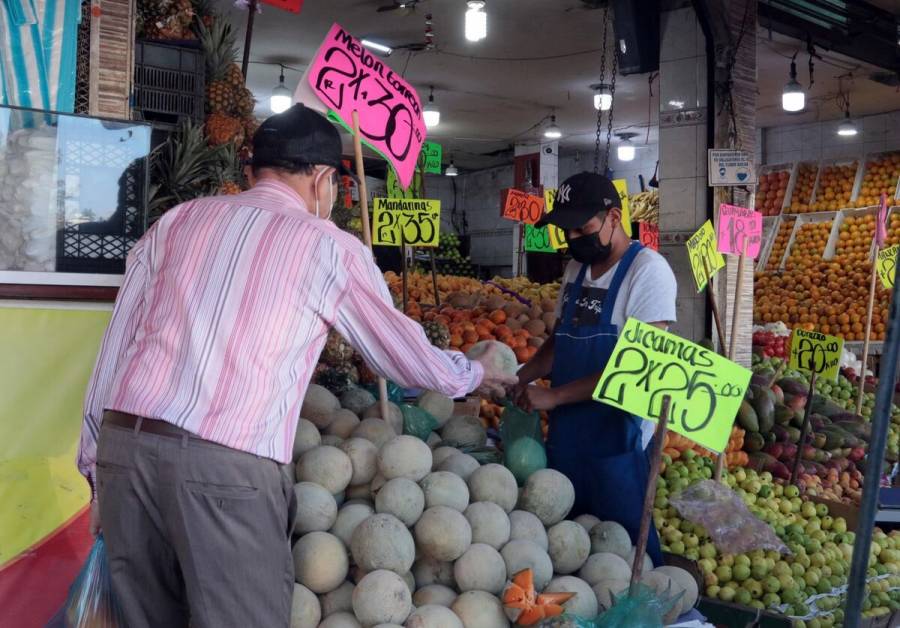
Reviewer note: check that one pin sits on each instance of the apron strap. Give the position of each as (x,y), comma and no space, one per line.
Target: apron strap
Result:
(574,293)
(613,292)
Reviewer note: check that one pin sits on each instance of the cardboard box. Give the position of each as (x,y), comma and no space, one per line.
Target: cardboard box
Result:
(730,615)
(838,509)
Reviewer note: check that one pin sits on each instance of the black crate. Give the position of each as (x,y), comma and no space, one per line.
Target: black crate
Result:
(169,82)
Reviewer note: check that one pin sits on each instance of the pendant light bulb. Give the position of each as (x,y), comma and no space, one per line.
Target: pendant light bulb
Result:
(431,113)
(451,170)
(846,128)
(602,98)
(793,98)
(281,99)
(626,150)
(553,132)
(476,20)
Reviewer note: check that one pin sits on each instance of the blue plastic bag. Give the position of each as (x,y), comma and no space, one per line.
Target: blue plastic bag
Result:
(91,603)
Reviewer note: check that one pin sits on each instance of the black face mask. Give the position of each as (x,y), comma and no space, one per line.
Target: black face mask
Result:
(588,249)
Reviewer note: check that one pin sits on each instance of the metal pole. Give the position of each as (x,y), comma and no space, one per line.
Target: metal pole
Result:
(881,420)
(251,15)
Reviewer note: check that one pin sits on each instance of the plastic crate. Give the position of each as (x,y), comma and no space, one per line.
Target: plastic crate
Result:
(169,82)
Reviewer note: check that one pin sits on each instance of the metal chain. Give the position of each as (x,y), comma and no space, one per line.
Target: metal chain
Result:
(602,78)
(612,106)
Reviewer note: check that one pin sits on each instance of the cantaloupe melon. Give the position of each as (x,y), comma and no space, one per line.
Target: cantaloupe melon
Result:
(375,430)
(584,604)
(363,456)
(357,400)
(437,405)
(684,582)
(490,524)
(494,483)
(442,488)
(381,597)
(410,581)
(587,521)
(362,492)
(460,464)
(666,589)
(394,417)
(519,555)
(320,562)
(316,508)
(326,466)
(342,424)
(603,566)
(305,611)
(404,457)
(464,432)
(401,498)
(340,620)
(478,609)
(439,454)
(480,568)
(348,518)
(306,437)
(337,601)
(427,571)
(647,564)
(505,358)
(607,590)
(434,594)
(434,439)
(332,440)
(433,616)
(382,542)
(525,526)
(319,406)
(569,547)
(609,536)
(548,494)
(443,533)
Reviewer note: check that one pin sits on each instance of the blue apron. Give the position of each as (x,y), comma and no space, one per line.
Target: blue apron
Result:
(596,446)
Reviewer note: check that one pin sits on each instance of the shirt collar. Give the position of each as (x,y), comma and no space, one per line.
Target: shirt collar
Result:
(276,196)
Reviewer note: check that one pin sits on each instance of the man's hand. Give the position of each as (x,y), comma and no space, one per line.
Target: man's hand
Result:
(495,380)
(536,398)
(94,525)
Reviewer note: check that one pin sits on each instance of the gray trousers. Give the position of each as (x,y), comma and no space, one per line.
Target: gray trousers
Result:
(196,533)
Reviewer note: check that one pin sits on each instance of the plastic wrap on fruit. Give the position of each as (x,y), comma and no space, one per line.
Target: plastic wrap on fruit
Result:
(724,515)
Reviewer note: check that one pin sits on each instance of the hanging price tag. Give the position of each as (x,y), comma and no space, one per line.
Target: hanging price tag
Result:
(557,235)
(538,240)
(521,207)
(648,363)
(737,226)
(816,353)
(433,152)
(704,255)
(419,220)
(887,266)
(648,233)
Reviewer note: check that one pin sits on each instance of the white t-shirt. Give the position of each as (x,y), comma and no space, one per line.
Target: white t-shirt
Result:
(647,293)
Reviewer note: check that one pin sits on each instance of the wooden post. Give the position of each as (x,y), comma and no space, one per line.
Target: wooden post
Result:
(715,308)
(404,270)
(434,281)
(650,496)
(367,231)
(867,339)
(251,16)
(805,429)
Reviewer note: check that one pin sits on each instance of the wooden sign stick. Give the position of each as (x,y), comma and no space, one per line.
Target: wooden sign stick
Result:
(650,496)
(367,236)
(865,356)
(434,281)
(715,308)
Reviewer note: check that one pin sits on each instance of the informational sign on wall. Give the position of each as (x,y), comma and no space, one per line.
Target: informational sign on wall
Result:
(739,226)
(648,363)
(346,77)
(730,167)
(887,266)
(705,258)
(402,221)
(816,353)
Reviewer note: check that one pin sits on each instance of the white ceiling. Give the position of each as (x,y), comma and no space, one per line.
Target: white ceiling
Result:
(493,93)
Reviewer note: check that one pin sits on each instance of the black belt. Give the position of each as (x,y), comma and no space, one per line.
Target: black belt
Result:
(149,426)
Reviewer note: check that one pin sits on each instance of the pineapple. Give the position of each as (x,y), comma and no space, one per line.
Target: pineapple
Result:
(245,102)
(220,50)
(233,74)
(337,380)
(223,129)
(337,351)
(438,334)
(229,187)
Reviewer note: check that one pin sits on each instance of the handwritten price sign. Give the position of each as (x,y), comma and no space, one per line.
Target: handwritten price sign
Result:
(346,77)
(816,353)
(432,153)
(413,222)
(648,233)
(521,207)
(621,186)
(739,226)
(649,363)
(704,255)
(887,266)
(557,235)
(538,240)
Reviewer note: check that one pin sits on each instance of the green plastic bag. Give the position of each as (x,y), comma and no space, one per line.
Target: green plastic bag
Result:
(523,443)
(418,422)
(395,393)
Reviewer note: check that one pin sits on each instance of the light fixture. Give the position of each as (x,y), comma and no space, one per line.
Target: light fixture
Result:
(553,132)
(625,150)
(374,45)
(451,170)
(431,113)
(793,98)
(476,20)
(280,100)
(602,97)
(846,128)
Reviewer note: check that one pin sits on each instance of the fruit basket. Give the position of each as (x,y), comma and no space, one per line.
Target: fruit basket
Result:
(809,241)
(774,256)
(836,186)
(881,175)
(774,189)
(801,189)
(851,237)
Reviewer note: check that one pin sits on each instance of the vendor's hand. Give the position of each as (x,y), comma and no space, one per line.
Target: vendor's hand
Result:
(495,382)
(94,524)
(536,398)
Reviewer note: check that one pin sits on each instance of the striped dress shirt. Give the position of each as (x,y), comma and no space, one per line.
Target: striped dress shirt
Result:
(223,312)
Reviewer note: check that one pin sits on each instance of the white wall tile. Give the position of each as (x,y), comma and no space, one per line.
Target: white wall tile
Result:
(678,34)
(877,133)
(679,83)
(677,198)
(793,140)
(678,152)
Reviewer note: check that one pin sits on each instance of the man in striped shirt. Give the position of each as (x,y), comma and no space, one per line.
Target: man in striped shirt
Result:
(195,397)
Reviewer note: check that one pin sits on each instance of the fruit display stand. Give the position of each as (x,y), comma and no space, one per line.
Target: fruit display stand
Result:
(837,185)
(801,190)
(773,191)
(881,175)
(775,247)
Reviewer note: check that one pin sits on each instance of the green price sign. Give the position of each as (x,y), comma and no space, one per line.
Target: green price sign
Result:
(816,353)
(432,153)
(648,363)
(538,240)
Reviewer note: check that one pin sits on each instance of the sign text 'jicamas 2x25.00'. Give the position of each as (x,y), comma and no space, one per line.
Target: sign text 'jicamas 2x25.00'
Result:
(413,222)
(706,389)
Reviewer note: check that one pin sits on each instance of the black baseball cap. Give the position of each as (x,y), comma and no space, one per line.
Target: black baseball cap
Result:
(579,198)
(299,135)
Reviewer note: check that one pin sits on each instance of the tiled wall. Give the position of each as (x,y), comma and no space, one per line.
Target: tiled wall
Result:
(644,162)
(819,140)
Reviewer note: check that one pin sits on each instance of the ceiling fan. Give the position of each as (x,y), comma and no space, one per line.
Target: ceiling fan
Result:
(408,6)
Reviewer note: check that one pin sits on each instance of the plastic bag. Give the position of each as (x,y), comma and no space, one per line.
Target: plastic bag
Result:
(418,422)
(523,443)
(91,603)
(724,515)
(395,393)
(645,608)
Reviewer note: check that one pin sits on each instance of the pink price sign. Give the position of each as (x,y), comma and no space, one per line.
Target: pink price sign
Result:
(737,226)
(345,76)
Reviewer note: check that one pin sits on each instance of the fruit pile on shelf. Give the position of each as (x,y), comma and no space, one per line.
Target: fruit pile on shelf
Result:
(835,188)
(881,176)
(855,238)
(809,245)
(449,260)
(801,197)
(779,246)
(771,192)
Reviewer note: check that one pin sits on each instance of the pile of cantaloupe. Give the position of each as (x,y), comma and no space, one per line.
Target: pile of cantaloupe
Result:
(392,531)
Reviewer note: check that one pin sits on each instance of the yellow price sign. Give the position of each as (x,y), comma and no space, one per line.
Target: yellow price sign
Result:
(621,186)
(557,235)
(886,265)
(706,389)
(412,222)
(816,353)
(704,255)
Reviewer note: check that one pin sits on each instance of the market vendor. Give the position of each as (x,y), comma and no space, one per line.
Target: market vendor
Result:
(194,401)
(610,279)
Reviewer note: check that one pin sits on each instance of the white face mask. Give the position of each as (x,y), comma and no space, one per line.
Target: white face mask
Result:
(330,192)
